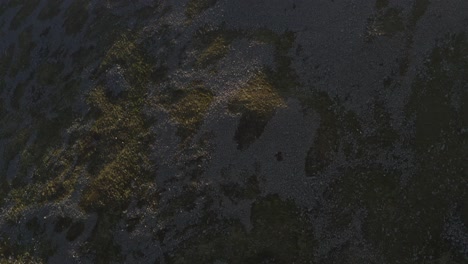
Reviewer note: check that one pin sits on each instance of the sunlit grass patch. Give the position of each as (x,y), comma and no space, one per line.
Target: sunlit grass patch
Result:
(188,107)
(117,181)
(259,96)
(213,44)
(6,256)
(32,195)
(215,51)
(117,145)
(130,56)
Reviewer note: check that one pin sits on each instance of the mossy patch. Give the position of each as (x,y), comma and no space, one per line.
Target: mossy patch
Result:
(211,45)
(130,56)
(116,146)
(387,22)
(215,51)
(188,107)
(100,157)
(258,96)
(35,194)
(267,90)
(24,257)
(119,140)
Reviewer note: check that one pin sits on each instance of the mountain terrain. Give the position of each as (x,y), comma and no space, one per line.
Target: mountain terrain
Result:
(221,131)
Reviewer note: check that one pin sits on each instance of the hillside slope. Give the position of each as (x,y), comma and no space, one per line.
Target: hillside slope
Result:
(220,131)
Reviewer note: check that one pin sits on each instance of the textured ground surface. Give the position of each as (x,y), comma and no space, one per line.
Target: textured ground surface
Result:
(221,131)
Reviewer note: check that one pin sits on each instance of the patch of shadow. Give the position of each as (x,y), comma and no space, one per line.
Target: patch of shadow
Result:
(76,16)
(249,189)
(387,22)
(26,45)
(257,103)
(27,8)
(62,224)
(196,7)
(50,10)
(379,4)
(75,230)
(101,244)
(339,129)
(280,234)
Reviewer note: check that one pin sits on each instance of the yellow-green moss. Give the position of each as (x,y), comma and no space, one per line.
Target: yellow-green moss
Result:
(24,258)
(116,182)
(215,51)
(257,102)
(119,154)
(188,107)
(127,54)
(33,194)
(259,96)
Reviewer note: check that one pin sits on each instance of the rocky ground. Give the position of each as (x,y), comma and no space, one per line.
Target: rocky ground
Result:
(220,131)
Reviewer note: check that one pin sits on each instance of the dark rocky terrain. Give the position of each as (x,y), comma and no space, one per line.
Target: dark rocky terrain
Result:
(221,131)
